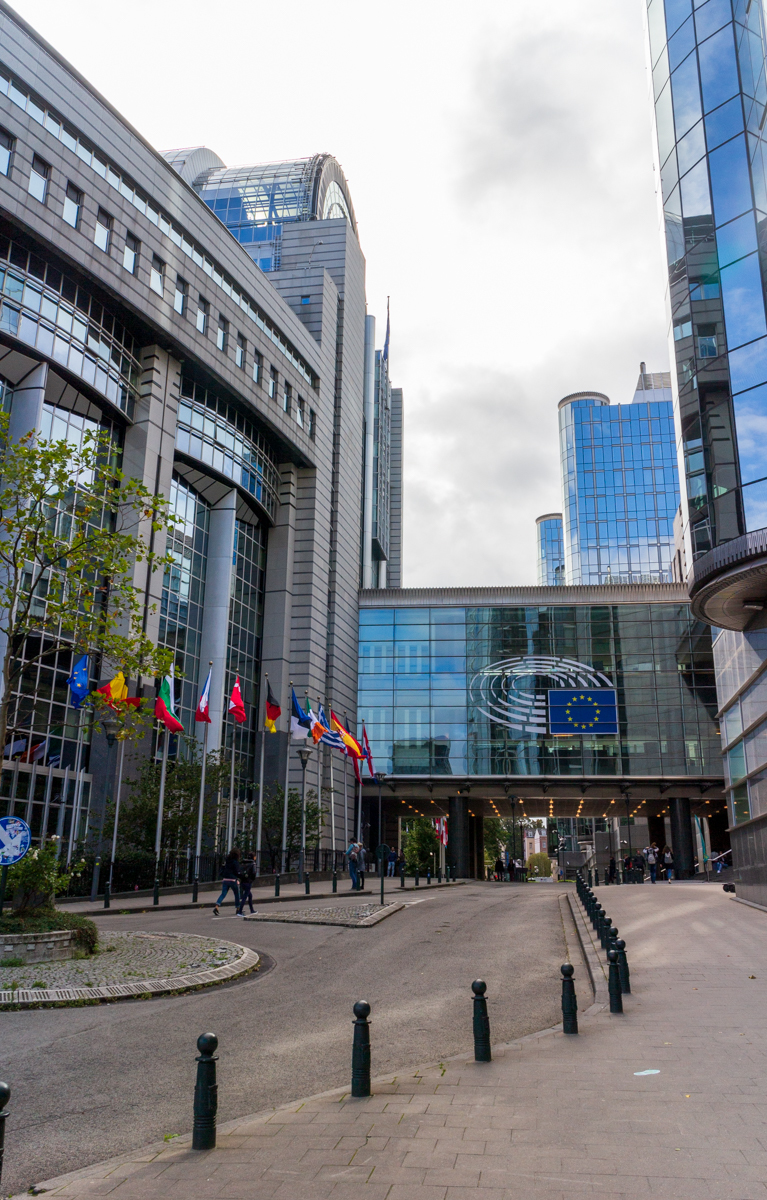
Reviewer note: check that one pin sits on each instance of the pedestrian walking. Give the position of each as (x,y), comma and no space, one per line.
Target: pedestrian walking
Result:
(651,854)
(362,862)
(392,863)
(498,868)
(611,869)
(351,858)
(668,863)
(247,879)
(229,877)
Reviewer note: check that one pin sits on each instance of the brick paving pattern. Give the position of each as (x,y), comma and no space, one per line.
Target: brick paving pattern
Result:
(552,1117)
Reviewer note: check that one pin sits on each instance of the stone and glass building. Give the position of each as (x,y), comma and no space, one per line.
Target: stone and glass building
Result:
(710,89)
(213,323)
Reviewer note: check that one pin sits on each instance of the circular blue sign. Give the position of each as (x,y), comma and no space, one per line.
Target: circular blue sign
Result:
(15,840)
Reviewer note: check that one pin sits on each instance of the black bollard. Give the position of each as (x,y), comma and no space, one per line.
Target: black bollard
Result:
(5,1095)
(335,883)
(591,879)
(277,884)
(156,893)
(569,1001)
(205,1094)
(482,1052)
(306,884)
(604,931)
(428,875)
(614,983)
(596,876)
(417,880)
(612,935)
(447,872)
(402,875)
(439,874)
(361,1050)
(195,890)
(107,895)
(623,967)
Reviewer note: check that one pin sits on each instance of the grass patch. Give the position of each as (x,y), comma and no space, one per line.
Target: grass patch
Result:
(11,962)
(46,920)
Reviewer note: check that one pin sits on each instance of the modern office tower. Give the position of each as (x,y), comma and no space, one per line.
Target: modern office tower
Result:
(396,485)
(382,468)
(710,86)
(128,306)
(619,486)
(551,554)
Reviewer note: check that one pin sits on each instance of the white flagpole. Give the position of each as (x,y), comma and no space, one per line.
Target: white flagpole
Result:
(319,788)
(76,796)
(261,781)
(346,808)
(117,811)
(161,801)
(230,813)
(201,803)
(332,813)
(287,784)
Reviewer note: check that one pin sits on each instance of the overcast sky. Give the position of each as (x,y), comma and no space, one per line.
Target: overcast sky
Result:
(500,161)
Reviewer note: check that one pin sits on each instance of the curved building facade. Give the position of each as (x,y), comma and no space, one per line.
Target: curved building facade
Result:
(134,298)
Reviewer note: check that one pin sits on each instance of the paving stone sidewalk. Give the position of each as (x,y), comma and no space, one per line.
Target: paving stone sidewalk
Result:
(552,1117)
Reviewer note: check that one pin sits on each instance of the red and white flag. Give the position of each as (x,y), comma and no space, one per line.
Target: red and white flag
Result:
(366,750)
(236,705)
(203,709)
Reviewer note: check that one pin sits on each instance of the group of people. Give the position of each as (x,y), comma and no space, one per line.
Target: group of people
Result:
(656,860)
(239,878)
(504,873)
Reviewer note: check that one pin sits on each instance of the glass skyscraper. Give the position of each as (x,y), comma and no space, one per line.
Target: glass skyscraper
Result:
(551,554)
(620,485)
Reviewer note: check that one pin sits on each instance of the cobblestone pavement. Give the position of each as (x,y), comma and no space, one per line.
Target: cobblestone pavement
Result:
(668,1100)
(126,957)
(347,914)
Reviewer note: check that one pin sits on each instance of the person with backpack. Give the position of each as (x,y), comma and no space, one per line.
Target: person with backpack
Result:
(229,877)
(667,860)
(651,854)
(247,879)
(351,859)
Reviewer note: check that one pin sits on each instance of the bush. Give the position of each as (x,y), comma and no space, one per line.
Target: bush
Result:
(540,865)
(38,878)
(421,846)
(46,920)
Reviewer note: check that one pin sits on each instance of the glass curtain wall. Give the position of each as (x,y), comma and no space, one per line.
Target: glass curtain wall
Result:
(708,65)
(381,466)
(551,552)
(246,614)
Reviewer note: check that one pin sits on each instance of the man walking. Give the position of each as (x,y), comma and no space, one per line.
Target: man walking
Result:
(247,879)
(362,862)
(351,858)
(392,862)
(651,854)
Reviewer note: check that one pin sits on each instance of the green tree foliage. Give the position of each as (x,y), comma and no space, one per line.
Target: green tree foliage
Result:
(272,818)
(539,864)
(38,878)
(501,835)
(421,845)
(73,527)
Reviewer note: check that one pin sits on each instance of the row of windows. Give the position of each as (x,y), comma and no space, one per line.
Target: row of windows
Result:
(72,213)
(35,107)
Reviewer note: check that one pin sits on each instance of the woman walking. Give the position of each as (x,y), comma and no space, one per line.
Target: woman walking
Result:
(667,859)
(229,877)
(247,879)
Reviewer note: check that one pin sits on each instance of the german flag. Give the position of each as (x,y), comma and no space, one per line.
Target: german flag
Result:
(273,710)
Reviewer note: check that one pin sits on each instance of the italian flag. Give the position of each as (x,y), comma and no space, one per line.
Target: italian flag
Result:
(163,706)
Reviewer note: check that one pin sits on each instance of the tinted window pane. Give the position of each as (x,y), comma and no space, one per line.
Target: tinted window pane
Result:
(743,302)
(750,422)
(736,240)
(724,123)
(712,16)
(718,69)
(748,366)
(730,181)
(686,95)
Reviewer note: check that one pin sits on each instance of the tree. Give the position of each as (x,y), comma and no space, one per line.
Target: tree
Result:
(539,864)
(70,540)
(421,845)
(271,823)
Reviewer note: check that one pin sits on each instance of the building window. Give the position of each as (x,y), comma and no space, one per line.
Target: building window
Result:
(203,309)
(706,341)
(156,275)
(179,299)
(257,361)
(222,334)
(38,179)
(300,411)
(272,383)
(73,203)
(6,152)
(312,423)
(131,253)
(287,392)
(305,299)
(103,235)
(240,351)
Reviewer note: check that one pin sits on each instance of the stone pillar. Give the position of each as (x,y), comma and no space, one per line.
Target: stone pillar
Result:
(681,837)
(278,612)
(27,403)
(479,847)
(458,836)
(215,619)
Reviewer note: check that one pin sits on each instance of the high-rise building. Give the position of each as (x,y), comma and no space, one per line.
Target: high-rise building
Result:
(394,565)
(213,322)
(710,87)
(551,554)
(620,487)
(382,467)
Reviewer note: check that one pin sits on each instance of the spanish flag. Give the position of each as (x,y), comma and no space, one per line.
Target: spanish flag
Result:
(273,710)
(353,748)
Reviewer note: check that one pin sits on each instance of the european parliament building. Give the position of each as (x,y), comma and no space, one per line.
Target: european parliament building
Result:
(213,322)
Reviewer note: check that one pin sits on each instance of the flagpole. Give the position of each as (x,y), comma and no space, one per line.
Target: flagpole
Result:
(287,783)
(332,814)
(47,807)
(261,781)
(78,753)
(117,810)
(230,813)
(346,805)
(201,801)
(160,806)
(319,789)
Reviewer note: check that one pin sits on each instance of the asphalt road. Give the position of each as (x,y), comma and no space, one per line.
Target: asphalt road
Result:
(88,1083)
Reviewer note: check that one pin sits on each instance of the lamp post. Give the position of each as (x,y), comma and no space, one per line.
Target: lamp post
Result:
(109,726)
(304,753)
(380,776)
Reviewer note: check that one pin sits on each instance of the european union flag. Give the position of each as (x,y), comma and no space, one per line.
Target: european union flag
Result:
(79,684)
(583,710)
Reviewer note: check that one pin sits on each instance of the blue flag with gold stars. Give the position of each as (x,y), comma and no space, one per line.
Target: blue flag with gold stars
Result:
(581,710)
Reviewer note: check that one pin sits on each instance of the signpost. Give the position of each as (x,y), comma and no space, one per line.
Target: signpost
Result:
(15,840)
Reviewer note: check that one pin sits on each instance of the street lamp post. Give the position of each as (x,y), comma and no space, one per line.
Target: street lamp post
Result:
(380,776)
(108,725)
(304,753)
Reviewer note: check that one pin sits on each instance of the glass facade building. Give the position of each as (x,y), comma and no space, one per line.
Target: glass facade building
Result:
(462,690)
(620,488)
(551,551)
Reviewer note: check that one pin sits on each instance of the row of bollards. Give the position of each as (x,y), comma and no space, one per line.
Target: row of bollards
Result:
(619,980)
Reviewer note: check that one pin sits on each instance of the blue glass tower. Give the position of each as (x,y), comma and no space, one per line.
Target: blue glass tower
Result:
(620,485)
(551,554)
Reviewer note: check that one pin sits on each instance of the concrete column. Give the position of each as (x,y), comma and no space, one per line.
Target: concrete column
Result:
(458,836)
(27,403)
(479,847)
(681,837)
(215,619)
(278,614)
